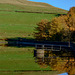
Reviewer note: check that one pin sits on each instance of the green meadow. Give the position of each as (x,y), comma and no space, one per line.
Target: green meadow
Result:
(14,24)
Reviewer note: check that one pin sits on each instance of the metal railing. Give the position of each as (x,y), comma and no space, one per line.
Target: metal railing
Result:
(48,47)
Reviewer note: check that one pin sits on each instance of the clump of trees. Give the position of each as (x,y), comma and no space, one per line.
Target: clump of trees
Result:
(61,28)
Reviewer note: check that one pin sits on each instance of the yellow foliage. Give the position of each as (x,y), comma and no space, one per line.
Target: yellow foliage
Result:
(57,27)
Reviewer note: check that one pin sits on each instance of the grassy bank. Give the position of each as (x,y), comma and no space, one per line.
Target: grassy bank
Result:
(20,61)
(30,73)
(12,59)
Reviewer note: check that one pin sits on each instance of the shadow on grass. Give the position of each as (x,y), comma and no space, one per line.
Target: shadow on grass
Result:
(30,42)
(19,42)
(59,15)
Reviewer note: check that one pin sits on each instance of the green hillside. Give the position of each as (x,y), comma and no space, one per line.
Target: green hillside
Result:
(15,24)
(24,5)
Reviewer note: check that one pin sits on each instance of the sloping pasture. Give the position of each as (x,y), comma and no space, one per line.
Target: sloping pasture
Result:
(14,24)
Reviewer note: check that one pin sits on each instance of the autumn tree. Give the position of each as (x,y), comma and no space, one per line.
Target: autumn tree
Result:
(70,22)
(51,30)
(42,30)
(58,28)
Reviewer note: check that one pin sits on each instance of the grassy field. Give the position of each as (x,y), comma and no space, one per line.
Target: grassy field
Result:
(30,73)
(13,24)
(12,59)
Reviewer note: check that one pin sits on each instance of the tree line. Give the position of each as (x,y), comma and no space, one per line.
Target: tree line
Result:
(60,28)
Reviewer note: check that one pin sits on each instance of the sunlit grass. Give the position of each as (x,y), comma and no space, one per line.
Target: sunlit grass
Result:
(32,7)
(14,24)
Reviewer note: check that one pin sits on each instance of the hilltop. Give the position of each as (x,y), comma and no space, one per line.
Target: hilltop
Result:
(29,6)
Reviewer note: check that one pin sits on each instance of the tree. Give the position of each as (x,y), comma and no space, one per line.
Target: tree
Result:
(51,30)
(42,30)
(61,27)
(70,22)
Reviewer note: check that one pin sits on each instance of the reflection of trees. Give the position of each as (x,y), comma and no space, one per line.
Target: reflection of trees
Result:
(57,61)
(62,64)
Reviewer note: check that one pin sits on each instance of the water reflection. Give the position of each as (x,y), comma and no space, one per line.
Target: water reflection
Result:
(57,60)
(60,60)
